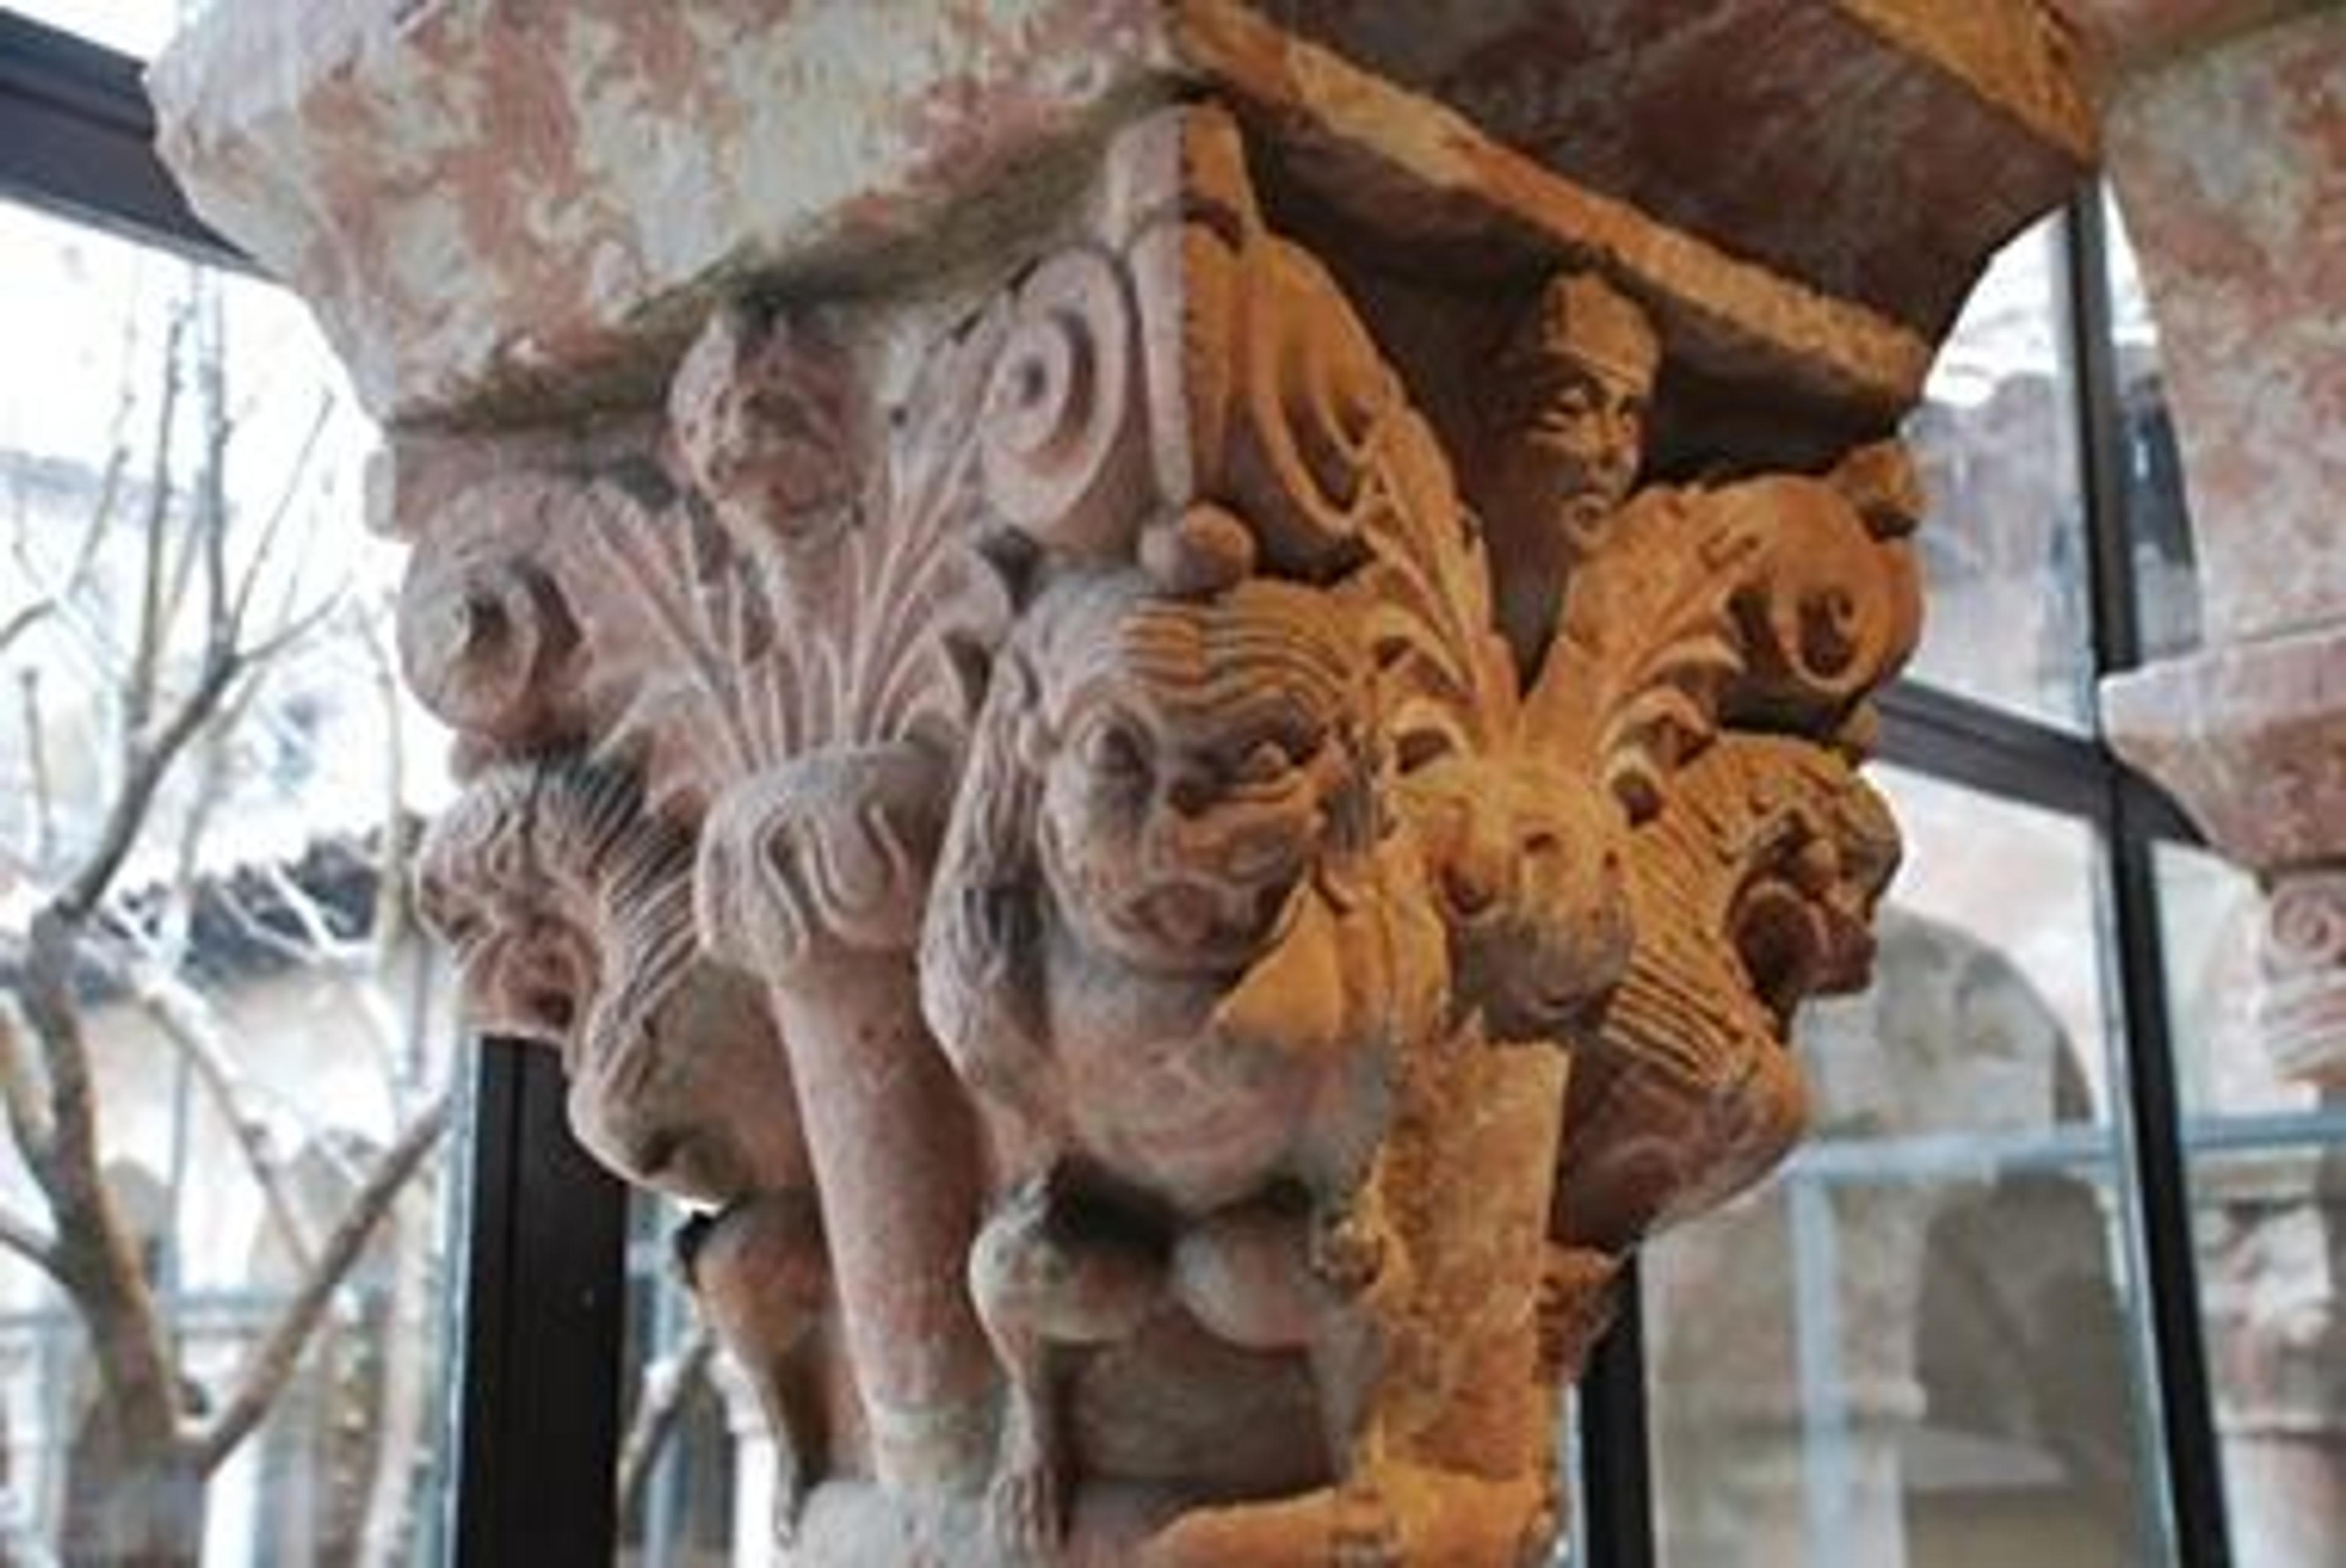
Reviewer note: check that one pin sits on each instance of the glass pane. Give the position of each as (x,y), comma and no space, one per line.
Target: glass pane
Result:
(2003,546)
(2158,521)
(695,1462)
(1920,1343)
(265,1037)
(2267,1153)
(140,28)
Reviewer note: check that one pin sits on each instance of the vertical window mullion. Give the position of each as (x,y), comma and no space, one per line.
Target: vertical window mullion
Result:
(545,1307)
(2154,1128)
(1615,1480)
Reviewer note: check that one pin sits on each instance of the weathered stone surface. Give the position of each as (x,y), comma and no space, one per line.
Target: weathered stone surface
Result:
(2229,160)
(493,203)
(2250,737)
(495,199)
(1157,803)
(1102,750)
(1970,114)
(2132,35)
(2231,167)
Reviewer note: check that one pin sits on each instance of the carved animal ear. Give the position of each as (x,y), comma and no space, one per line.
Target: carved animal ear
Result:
(972,666)
(1019,690)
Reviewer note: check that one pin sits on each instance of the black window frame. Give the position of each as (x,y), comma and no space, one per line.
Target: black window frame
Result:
(546,1248)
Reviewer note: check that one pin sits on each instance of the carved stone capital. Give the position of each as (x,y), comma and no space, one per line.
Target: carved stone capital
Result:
(1187,797)
(2249,737)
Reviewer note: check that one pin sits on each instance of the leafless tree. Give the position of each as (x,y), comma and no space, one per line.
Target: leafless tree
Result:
(220,600)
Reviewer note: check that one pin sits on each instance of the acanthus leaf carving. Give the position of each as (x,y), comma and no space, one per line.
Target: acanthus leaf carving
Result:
(1219,920)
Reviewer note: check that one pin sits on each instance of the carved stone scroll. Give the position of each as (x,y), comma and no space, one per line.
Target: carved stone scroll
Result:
(1173,732)
(1177,936)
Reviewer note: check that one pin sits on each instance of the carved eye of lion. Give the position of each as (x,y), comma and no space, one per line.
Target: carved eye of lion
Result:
(1265,762)
(1114,751)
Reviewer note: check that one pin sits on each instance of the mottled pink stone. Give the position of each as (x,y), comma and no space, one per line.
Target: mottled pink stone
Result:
(492,198)
(2230,168)
(2250,737)
(2131,33)
(2231,164)
(496,205)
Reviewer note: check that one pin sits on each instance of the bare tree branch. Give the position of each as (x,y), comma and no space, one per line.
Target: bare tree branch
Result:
(326,944)
(669,1385)
(241,609)
(28,1241)
(24,1092)
(188,1021)
(258,932)
(37,765)
(265,1372)
(147,651)
(214,754)
(212,478)
(387,1537)
(24,620)
(97,1255)
(147,766)
(394,913)
(85,562)
(291,631)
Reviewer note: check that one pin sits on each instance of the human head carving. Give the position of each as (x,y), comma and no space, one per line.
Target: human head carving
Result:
(763,408)
(1579,373)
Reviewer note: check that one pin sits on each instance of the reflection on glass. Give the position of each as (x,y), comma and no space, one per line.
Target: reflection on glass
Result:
(267,1038)
(1920,1342)
(2266,1147)
(694,1457)
(2157,520)
(2004,544)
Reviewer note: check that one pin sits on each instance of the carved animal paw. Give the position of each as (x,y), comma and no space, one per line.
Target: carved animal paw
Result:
(1348,1252)
(1024,1507)
(1365,1535)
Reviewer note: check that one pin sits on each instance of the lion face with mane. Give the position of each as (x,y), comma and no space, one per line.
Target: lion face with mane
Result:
(1198,761)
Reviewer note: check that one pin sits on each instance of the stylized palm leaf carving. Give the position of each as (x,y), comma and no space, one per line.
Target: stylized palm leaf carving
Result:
(759,650)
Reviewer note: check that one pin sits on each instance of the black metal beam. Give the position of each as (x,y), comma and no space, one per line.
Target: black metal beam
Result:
(2154,1112)
(77,137)
(1616,1503)
(1931,730)
(545,1302)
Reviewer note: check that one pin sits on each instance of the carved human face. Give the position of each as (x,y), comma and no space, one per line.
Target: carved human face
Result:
(1578,451)
(1179,817)
(761,407)
(1580,376)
